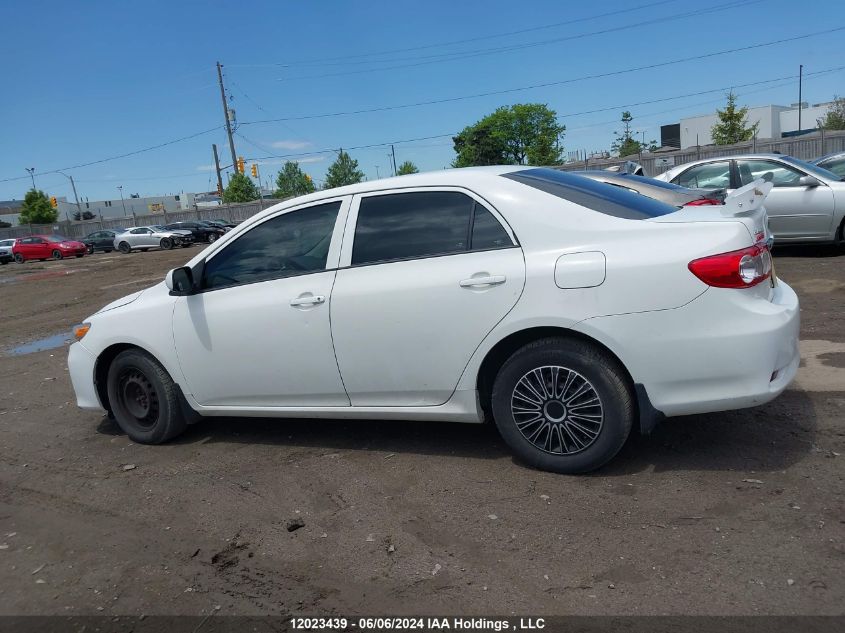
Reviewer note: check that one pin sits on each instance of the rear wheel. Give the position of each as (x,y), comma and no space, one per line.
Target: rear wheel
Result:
(563,405)
(57,254)
(124,248)
(19,258)
(91,249)
(212,237)
(144,399)
(166,243)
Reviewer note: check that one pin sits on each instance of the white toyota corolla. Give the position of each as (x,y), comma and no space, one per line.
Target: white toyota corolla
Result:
(567,310)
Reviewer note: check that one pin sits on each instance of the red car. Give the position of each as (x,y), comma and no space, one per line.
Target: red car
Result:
(46,247)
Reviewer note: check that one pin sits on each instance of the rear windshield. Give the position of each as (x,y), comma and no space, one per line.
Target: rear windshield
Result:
(656,183)
(592,194)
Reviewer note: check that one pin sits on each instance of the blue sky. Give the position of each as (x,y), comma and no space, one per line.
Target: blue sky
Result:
(88,80)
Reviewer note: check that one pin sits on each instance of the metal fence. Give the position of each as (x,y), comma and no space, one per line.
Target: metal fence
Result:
(228,212)
(805,147)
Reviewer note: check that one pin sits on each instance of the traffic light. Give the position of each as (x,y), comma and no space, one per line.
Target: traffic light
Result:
(53,202)
(241,166)
(254,170)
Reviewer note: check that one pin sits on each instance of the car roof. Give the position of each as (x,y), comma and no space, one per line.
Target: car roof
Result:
(816,161)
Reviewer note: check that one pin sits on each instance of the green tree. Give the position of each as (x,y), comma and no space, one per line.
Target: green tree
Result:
(733,124)
(625,143)
(240,189)
(520,134)
(36,209)
(834,119)
(292,181)
(407,168)
(343,171)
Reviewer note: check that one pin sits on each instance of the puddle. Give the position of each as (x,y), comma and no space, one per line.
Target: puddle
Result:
(51,342)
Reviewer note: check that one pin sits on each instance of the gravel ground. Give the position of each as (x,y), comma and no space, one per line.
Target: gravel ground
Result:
(730,513)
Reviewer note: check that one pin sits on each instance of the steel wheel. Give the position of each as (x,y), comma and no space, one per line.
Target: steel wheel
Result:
(57,254)
(138,397)
(166,243)
(124,248)
(557,409)
(19,258)
(212,237)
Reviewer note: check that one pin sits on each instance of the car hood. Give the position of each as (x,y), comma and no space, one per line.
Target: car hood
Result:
(120,302)
(175,232)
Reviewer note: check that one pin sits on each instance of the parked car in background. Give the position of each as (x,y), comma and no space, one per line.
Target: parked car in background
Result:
(144,238)
(832,162)
(666,192)
(223,223)
(6,254)
(46,247)
(568,310)
(101,240)
(807,203)
(202,232)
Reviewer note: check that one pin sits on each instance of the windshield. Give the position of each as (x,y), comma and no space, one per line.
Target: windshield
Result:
(7,242)
(158,227)
(655,183)
(57,238)
(821,172)
(592,194)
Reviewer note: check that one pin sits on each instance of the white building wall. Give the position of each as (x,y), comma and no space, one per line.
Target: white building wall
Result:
(696,130)
(809,117)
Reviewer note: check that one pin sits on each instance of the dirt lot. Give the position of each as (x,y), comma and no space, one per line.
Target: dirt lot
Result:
(736,513)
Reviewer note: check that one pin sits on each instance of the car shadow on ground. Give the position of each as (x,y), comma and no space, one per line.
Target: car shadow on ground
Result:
(767,438)
(808,250)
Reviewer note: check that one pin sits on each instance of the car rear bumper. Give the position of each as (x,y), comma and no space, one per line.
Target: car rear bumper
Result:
(727,349)
(80,364)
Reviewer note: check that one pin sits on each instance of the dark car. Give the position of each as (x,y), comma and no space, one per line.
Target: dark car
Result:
(222,223)
(201,231)
(832,162)
(101,240)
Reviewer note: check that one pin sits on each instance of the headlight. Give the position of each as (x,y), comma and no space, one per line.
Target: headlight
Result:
(81,330)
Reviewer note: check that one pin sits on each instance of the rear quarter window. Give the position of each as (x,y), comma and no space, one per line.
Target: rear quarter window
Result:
(596,196)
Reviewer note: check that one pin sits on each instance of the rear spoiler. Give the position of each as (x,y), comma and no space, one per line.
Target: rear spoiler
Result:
(746,199)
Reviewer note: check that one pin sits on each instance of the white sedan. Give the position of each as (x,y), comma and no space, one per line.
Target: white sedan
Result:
(146,237)
(567,310)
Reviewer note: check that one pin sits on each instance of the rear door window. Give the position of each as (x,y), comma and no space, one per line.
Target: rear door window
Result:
(707,176)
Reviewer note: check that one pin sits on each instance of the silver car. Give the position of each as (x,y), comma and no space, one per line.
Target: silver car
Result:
(144,238)
(832,162)
(6,255)
(807,203)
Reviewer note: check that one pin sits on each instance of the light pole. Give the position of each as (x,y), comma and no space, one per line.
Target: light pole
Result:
(123,204)
(377,174)
(31,172)
(76,197)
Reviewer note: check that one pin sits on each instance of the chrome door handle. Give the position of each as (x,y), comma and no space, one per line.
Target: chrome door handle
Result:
(475,282)
(308,301)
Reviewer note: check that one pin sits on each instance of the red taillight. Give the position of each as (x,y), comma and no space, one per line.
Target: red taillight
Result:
(744,268)
(701,202)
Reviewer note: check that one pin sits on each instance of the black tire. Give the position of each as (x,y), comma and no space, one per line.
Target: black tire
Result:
(124,248)
(19,258)
(566,449)
(144,399)
(91,250)
(166,243)
(212,237)
(57,254)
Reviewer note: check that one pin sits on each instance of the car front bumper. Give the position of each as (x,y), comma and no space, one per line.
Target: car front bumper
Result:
(80,364)
(724,350)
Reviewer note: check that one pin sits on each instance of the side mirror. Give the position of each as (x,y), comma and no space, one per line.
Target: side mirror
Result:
(180,281)
(808,181)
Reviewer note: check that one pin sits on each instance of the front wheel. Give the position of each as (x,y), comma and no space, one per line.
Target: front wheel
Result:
(166,243)
(19,258)
(144,399)
(563,405)
(124,248)
(212,237)
(57,254)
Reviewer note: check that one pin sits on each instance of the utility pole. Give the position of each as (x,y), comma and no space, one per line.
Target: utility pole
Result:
(76,197)
(31,172)
(800,82)
(393,157)
(226,113)
(120,187)
(217,169)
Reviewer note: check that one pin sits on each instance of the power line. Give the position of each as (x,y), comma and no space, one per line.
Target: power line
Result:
(448,57)
(126,155)
(462,41)
(548,83)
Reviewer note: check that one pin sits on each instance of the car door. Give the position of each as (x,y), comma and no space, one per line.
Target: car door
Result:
(795,211)
(425,275)
(712,175)
(258,334)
